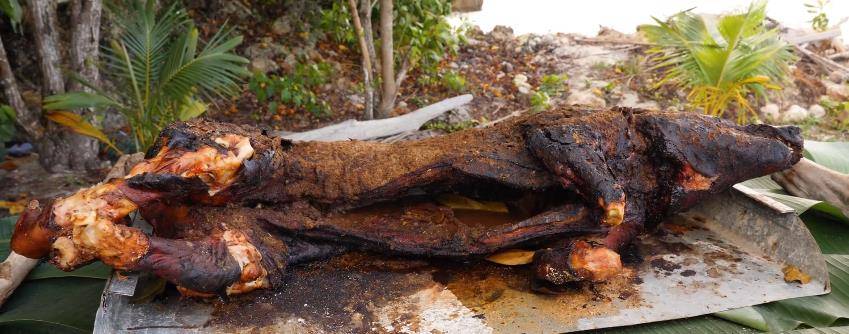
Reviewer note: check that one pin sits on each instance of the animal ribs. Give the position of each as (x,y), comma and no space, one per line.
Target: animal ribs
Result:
(233,207)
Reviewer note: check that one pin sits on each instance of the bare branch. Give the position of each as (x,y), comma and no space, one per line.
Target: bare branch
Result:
(368,30)
(368,113)
(402,72)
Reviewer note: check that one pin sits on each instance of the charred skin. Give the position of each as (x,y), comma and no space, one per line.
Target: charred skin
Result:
(630,168)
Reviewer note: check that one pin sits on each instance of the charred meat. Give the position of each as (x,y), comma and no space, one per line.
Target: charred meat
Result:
(233,207)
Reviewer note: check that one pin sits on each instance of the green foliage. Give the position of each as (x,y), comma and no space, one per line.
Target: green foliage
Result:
(454,81)
(160,69)
(721,64)
(553,84)
(450,127)
(336,22)
(7,127)
(295,90)
(12,10)
(540,101)
(421,32)
(820,20)
(838,111)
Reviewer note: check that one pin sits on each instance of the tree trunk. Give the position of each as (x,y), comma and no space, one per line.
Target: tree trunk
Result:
(387,101)
(46,37)
(85,40)
(60,149)
(25,118)
(368,113)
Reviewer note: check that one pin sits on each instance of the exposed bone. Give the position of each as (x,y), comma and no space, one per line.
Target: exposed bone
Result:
(13,271)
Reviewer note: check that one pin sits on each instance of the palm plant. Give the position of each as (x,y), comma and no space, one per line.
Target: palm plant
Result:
(722,62)
(160,73)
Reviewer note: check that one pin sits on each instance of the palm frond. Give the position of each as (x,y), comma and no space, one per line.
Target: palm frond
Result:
(214,70)
(723,61)
(159,69)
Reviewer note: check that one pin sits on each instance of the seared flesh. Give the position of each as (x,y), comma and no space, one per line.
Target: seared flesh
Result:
(232,207)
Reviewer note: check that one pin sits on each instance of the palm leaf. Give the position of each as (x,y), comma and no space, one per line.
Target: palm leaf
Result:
(722,61)
(77,124)
(213,70)
(12,9)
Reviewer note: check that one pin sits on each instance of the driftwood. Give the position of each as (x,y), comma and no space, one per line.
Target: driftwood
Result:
(362,130)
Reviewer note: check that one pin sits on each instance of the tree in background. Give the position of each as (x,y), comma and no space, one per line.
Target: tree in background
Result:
(58,147)
(411,34)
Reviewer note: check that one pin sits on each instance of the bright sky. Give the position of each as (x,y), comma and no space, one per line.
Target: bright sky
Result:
(585,16)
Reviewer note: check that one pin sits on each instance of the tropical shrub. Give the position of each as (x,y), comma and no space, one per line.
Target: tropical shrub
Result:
(540,101)
(553,84)
(454,81)
(422,35)
(161,70)
(295,90)
(723,64)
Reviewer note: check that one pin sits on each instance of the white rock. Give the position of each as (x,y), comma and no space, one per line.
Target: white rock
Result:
(795,114)
(816,110)
(519,79)
(587,98)
(836,91)
(356,99)
(281,26)
(837,77)
(629,99)
(771,111)
(502,33)
(521,83)
(263,65)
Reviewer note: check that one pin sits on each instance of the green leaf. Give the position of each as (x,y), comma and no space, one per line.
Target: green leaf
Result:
(55,305)
(697,325)
(78,100)
(7,127)
(745,316)
(191,109)
(12,9)
(834,155)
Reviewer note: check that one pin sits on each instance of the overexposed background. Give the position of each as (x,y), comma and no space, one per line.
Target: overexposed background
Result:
(585,16)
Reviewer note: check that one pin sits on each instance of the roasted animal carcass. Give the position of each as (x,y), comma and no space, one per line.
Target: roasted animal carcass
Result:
(232,207)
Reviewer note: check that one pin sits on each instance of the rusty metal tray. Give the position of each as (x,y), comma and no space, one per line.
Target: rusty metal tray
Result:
(726,253)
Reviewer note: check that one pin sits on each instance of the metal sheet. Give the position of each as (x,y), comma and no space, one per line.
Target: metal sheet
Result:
(721,255)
